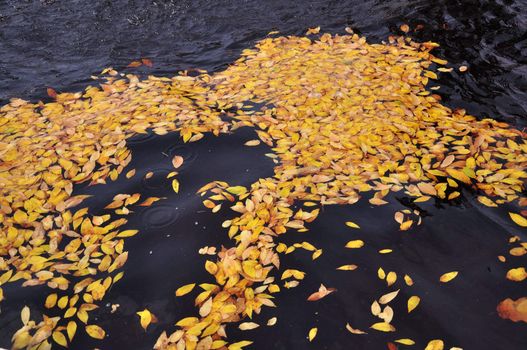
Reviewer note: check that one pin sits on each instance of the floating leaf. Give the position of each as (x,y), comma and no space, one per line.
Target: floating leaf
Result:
(185,289)
(244,326)
(436,344)
(145,318)
(321,293)
(175,185)
(315,30)
(59,338)
(355,244)
(447,277)
(413,301)
(177,161)
(386,298)
(347,267)
(24,315)
(71,329)
(518,219)
(51,301)
(95,331)
(252,143)
(353,330)
(312,333)
(352,224)
(383,327)
(517,274)
(391,278)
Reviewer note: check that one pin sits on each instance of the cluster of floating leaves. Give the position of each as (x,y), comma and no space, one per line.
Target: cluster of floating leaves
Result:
(45,149)
(345,119)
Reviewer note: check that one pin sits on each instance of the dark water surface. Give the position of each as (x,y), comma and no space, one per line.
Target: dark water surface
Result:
(60,44)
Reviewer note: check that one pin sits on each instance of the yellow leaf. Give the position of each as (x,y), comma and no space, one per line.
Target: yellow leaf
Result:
(20,217)
(355,244)
(354,330)
(130,174)
(315,30)
(391,278)
(517,274)
(518,219)
(185,289)
(51,301)
(405,341)
(383,327)
(145,318)
(459,175)
(71,329)
(245,326)
(413,301)
(386,298)
(352,224)
(127,233)
(239,345)
(347,267)
(187,322)
(406,225)
(24,315)
(408,280)
(95,331)
(252,143)
(175,185)
(312,333)
(486,201)
(60,339)
(436,344)
(449,276)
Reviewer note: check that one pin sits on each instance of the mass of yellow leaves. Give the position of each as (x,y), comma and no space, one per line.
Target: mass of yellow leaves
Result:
(344,119)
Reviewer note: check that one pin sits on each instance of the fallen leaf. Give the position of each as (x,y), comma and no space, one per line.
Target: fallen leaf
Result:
(252,143)
(352,224)
(436,344)
(355,244)
(386,298)
(514,310)
(413,301)
(312,333)
(175,185)
(245,326)
(95,331)
(185,289)
(24,315)
(177,161)
(383,327)
(447,277)
(518,219)
(517,274)
(322,292)
(145,318)
(353,330)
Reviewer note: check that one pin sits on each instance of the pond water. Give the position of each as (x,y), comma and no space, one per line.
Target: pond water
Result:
(60,44)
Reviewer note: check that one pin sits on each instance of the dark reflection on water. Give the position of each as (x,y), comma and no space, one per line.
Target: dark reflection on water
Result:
(61,43)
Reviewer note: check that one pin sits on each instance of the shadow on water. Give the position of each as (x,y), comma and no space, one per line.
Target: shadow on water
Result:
(60,44)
